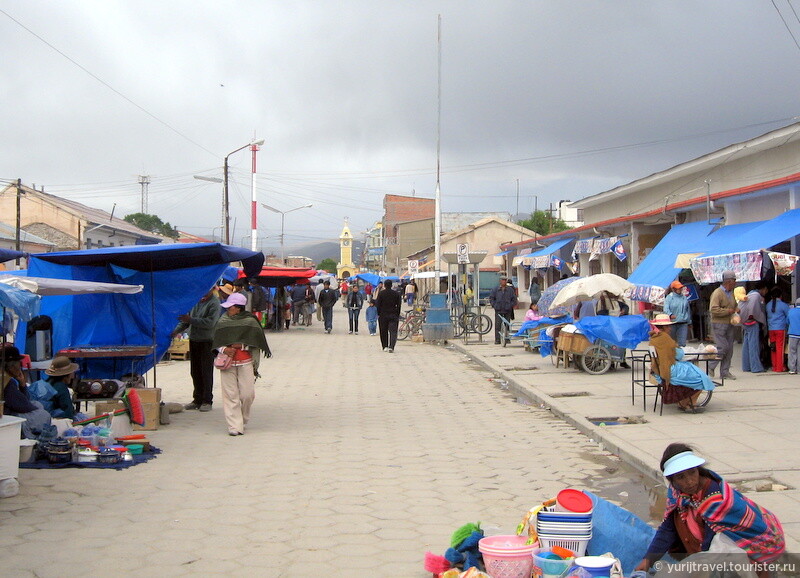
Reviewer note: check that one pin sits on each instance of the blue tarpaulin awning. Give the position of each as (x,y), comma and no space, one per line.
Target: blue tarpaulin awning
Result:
(501,253)
(764,235)
(546,251)
(9,254)
(658,268)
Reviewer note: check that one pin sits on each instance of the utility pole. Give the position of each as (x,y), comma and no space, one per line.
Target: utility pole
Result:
(19,197)
(144,180)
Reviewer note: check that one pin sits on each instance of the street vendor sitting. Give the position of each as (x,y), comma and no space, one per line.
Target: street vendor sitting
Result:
(683,381)
(61,376)
(16,398)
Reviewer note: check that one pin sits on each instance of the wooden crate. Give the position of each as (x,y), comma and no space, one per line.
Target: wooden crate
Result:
(178,350)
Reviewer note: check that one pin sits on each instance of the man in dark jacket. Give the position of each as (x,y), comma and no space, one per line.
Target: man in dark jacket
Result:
(201,321)
(503,299)
(298,295)
(388,304)
(327,299)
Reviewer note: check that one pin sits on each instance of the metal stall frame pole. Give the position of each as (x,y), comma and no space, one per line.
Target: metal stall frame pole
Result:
(153,323)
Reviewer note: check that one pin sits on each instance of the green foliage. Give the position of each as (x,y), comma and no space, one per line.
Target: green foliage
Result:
(541,223)
(328,265)
(153,224)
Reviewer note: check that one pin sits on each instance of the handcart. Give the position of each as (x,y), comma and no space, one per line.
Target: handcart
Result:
(611,336)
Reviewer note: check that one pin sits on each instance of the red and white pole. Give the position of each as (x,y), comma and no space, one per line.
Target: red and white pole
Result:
(253,204)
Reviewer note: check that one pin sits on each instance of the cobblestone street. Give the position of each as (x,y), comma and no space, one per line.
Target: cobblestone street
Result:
(354,460)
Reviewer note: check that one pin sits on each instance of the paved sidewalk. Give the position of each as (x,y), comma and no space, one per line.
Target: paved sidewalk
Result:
(354,464)
(750,429)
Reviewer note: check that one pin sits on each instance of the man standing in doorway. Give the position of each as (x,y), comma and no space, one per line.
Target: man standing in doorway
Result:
(535,290)
(388,304)
(201,321)
(722,306)
(503,299)
(327,299)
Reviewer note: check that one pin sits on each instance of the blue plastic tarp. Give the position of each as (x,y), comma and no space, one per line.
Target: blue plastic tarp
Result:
(658,268)
(762,235)
(370,278)
(160,257)
(551,248)
(230,274)
(22,302)
(616,530)
(526,325)
(9,254)
(173,282)
(627,331)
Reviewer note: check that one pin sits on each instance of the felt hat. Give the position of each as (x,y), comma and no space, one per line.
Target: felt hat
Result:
(12,353)
(682,462)
(61,365)
(728,276)
(235,299)
(676,285)
(227,289)
(661,319)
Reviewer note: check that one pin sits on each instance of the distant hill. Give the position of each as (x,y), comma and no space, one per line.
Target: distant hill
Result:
(325,250)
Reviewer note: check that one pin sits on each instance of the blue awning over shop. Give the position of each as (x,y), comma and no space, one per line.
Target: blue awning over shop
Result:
(500,254)
(529,259)
(762,236)
(658,268)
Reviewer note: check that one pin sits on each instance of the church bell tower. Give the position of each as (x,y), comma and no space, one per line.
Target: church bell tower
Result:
(346,267)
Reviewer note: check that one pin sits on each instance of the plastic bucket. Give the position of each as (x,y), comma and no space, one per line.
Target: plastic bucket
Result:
(507,556)
(26,450)
(544,567)
(599,566)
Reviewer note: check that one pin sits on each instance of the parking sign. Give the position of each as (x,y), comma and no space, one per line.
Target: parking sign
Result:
(462,252)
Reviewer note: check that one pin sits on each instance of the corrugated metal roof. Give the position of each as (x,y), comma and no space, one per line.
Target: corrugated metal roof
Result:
(10,233)
(457,221)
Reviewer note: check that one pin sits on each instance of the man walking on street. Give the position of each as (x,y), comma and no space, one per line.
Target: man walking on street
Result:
(355,301)
(327,299)
(388,304)
(317,290)
(722,306)
(503,299)
(201,321)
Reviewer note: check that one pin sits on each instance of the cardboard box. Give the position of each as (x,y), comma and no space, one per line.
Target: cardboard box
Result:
(152,413)
(101,407)
(149,394)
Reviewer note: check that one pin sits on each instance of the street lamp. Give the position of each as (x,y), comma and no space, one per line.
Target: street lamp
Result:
(283,214)
(226,217)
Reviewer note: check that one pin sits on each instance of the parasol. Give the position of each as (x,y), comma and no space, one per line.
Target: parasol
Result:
(546,300)
(589,287)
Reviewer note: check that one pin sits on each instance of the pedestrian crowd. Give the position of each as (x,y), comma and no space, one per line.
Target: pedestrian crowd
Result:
(226,331)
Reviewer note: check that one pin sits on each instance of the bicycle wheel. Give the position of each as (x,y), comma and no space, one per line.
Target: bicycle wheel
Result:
(404,331)
(482,324)
(596,359)
(458,328)
(704,398)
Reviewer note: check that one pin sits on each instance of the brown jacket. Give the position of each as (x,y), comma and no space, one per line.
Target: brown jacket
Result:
(720,304)
(665,354)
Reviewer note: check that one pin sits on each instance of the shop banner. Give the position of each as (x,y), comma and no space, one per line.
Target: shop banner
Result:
(746,265)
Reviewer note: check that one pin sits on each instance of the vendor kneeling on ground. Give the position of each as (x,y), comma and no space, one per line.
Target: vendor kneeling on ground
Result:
(701,505)
(16,398)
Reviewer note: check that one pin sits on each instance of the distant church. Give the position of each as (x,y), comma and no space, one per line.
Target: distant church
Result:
(346,267)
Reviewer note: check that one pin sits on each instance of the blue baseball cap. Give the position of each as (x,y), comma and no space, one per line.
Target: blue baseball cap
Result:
(682,462)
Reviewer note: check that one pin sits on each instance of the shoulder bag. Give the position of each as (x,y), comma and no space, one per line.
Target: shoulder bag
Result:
(223,361)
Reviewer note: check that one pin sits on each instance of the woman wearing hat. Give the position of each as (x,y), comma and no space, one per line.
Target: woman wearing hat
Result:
(15,396)
(682,381)
(60,375)
(700,505)
(676,305)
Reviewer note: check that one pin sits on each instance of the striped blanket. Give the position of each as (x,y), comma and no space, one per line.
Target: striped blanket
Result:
(754,529)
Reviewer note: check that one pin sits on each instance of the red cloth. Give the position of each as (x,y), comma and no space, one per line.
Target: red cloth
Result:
(778,337)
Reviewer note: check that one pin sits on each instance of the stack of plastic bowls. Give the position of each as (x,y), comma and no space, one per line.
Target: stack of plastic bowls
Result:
(563,526)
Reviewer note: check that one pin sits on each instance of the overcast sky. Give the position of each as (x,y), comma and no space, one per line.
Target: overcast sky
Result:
(570,97)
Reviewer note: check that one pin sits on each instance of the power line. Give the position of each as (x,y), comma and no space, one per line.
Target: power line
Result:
(108,86)
(786,24)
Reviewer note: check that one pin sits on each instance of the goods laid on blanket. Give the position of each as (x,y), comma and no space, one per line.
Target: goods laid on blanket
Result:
(87,444)
(558,531)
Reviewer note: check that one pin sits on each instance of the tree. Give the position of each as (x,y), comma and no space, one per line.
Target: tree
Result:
(153,224)
(328,265)
(541,223)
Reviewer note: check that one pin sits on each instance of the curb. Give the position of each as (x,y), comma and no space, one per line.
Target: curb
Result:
(629,455)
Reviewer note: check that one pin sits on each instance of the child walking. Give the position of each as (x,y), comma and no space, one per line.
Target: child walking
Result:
(372,317)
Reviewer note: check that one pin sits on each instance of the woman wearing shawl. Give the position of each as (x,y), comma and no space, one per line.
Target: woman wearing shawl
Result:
(700,505)
(239,335)
(682,381)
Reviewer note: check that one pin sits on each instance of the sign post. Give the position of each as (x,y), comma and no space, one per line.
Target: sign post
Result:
(462,252)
